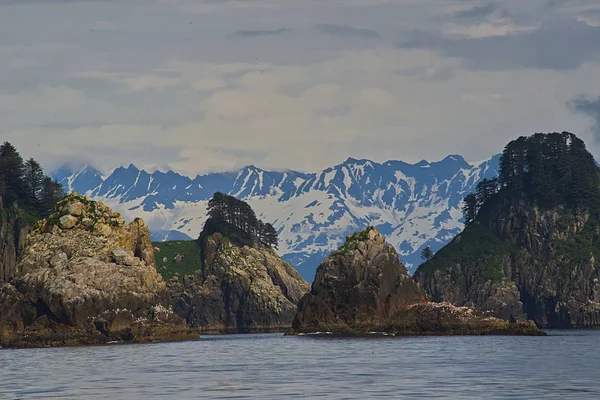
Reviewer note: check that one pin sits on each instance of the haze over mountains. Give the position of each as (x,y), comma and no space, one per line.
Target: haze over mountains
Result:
(413,205)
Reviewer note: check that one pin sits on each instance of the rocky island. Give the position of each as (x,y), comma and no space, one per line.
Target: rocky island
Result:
(243,285)
(86,277)
(531,245)
(363,287)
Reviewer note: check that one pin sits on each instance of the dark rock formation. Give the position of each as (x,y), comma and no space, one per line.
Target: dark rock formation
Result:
(238,290)
(522,261)
(13,232)
(85,277)
(363,287)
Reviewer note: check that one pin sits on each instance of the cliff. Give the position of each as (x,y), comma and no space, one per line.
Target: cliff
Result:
(363,287)
(238,289)
(523,261)
(13,231)
(85,277)
(532,238)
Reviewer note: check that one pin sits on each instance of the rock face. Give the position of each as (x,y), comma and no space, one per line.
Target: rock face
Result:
(12,241)
(363,287)
(238,290)
(86,278)
(520,261)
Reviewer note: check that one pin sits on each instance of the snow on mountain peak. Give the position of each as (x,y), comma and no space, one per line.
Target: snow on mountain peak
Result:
(413,205)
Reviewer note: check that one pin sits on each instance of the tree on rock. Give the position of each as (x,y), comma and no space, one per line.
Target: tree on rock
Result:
(24,184)
(426,254)
(236,220)
(469,208)
(12,170)
(51,193)
(34,180)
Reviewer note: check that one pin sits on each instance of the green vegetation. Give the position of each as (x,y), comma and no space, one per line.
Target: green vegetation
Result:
(352,241)
(578,249)
(553,169)
(236,220)
(476,244)
(427,254)
(190,263)
(24,187)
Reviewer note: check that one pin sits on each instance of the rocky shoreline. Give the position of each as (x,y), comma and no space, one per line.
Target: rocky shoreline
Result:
(531,273)
(363,287)
(86,277)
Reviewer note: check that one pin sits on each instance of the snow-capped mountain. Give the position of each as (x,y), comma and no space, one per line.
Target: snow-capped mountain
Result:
(413,205)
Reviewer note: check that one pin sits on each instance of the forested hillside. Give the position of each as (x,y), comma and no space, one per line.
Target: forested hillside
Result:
(532,238)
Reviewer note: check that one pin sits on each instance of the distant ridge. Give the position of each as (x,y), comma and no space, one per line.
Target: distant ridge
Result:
(413,205)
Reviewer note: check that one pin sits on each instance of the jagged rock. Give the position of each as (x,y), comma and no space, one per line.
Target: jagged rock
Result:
(535,273)
(71,286)
(59,259)
(124,257)
(13,233)
(363,287)
(67,221)
(239,289)
(103,229)
(76,208)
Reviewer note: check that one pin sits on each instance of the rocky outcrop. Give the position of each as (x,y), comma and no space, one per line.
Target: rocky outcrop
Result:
(86,277)
(363,287)
(238,290)
(521,261)
(13,231)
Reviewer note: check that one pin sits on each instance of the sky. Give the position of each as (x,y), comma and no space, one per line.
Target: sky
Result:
(213,85)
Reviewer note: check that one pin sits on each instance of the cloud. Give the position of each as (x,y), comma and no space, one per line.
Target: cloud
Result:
(141,83)
(476,12)
(24,2)
(559,45)
(591,18)
(433,73)
(257,33)
(589,107)
(200,99)
(343,30)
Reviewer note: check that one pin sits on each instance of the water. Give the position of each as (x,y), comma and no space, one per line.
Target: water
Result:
(563,365)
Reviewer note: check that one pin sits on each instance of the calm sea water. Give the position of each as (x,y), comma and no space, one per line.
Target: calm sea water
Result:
(564,365)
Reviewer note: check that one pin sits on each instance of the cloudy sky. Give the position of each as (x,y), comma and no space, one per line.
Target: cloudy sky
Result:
(212,85)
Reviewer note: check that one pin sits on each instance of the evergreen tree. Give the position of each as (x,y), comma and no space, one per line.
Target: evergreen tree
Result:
(33,180)
(470,208)
(271,236)
(552,169)
(51,193)
(236,220)
(24,184)
(426,254)
(11,174)
(485,189)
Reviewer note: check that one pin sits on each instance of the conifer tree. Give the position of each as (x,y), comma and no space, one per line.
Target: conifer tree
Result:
(33,179)
(469,208)
(51,193)
(426,254)
(236,220)
(11,174)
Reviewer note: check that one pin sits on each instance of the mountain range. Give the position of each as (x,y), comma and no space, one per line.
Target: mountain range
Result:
(413,205)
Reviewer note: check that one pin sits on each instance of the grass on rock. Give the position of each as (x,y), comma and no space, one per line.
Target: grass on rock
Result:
(191,258)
